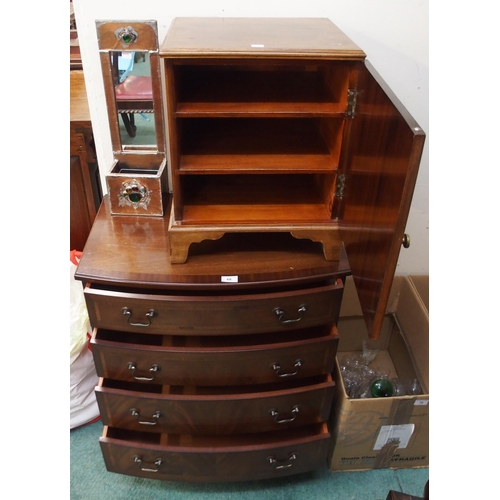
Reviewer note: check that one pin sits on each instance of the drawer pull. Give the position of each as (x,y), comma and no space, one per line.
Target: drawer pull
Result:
(277,367)
(280,313)
(275,414)
(153,370)
(156,415)
(282,464)
(128,312)
(157,462)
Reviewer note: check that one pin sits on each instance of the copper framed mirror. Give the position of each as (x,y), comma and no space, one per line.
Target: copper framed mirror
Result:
(132,83)
(130,65)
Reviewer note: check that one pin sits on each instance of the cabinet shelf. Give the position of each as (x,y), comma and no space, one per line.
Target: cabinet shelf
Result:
(252,145)
(255,199)
(257,164)
(258,109)
(262,88)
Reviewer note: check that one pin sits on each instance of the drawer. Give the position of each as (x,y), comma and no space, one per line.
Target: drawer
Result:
(236,312)
(215,410)
(207,360)
(210,459)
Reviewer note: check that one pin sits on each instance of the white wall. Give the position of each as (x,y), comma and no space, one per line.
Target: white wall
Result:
(393,33)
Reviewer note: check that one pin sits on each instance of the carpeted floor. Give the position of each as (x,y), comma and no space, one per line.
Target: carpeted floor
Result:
(91,481)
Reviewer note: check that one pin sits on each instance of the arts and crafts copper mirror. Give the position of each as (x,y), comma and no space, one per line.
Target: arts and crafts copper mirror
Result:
(132,85)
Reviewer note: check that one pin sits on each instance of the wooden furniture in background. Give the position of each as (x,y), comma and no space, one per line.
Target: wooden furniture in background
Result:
(75,57)
(85,185)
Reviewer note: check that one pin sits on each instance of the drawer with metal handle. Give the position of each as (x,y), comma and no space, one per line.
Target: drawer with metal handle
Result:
(222,458)
(214,360)
(230,313)
(215,410)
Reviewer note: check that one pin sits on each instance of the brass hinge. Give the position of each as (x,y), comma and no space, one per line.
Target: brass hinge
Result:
(339,191)
(352,94)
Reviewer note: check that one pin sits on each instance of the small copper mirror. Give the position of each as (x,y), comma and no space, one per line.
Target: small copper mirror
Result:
(131,72)
(132,82)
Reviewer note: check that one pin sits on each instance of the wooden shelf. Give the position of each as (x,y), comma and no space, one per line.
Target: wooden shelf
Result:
(266,89)
(253,200)
(220,164)
(223,145)
(258,109)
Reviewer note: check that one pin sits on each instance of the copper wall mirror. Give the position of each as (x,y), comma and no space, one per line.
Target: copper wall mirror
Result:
(131,73)
(132,83)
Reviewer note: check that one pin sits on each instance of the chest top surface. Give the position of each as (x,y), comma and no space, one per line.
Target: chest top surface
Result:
(258,37)
(134,251)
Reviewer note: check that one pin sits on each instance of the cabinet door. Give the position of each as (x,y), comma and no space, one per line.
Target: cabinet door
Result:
(385,147)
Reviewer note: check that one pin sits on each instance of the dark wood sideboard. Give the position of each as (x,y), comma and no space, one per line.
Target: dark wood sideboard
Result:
(85,184)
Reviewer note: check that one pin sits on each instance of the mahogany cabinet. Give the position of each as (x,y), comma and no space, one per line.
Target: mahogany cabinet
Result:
(293,166)
(280,125)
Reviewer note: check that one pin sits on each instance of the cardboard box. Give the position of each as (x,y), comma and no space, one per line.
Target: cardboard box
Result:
(421,284)
(391,432)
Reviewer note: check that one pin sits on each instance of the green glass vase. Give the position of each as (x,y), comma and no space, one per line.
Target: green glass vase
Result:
(382,388)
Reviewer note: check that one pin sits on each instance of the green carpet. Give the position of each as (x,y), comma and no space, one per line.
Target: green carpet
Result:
(91,481)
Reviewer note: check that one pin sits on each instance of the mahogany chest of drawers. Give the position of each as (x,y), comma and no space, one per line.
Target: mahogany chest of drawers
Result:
(218,369)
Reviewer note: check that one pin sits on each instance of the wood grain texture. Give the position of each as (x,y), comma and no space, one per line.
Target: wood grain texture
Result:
(208,459)
(84,172)
(234,360)
(214,314)
(79,105)
(215,410)
(381,170)
(255,127)
(265,37)
(134,251)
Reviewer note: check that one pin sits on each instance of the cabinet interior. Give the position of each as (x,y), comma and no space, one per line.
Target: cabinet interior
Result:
(267,86)
(256,141)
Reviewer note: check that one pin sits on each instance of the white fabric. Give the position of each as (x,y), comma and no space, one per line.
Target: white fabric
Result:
(83,379)
(79,318)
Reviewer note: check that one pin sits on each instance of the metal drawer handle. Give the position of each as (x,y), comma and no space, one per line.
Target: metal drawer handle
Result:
(157,462)
(150,314)
(282,464)
(277,367)
(275,414)
(153,370)
(280,313)
(156,415)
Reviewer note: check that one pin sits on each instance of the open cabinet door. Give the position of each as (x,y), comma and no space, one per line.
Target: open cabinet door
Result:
(381,165)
